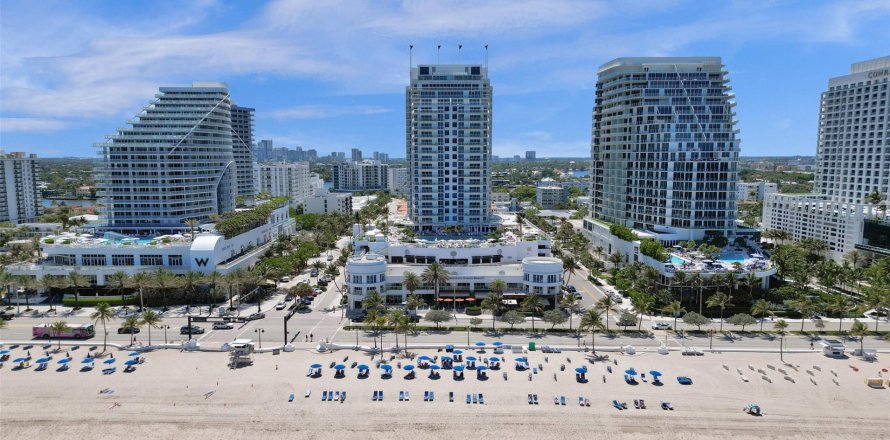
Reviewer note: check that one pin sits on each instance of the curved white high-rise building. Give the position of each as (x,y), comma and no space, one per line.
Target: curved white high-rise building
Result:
(173,163)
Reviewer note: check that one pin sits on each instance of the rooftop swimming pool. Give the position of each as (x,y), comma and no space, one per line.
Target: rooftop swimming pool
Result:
(736,257)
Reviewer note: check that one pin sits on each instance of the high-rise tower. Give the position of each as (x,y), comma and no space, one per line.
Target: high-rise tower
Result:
(173,163)
(665,151)
(242,144)
(448,137)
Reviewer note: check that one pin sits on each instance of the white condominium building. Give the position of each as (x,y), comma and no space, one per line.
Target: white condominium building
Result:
(242,144)
(289,179)
(323,202)
(19,196)
(852,162)
(754,191)
(448,137)
(397,181)
(665,151)
(367,175)
(173,163)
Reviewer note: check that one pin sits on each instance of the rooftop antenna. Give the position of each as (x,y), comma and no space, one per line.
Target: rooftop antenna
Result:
(486,56)
(459,47)
(438,49)
(410,57)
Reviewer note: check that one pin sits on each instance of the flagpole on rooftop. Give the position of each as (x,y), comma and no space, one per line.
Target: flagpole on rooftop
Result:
(438,49)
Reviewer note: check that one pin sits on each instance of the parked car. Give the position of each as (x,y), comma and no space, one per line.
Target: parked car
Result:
(316,291)
(256,316)
(313,273)
(6,316)
(617,298)
(285,279)
(128,330)
(322,283)
(289,297)
(661,326)
(280,306)
(222,326)
(571,289)
(195,330)
(330,257)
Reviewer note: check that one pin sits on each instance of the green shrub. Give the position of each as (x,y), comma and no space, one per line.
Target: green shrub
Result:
(473,310)
(89,301)
(240,222)
(166,240)
(623,232)
(49,241)
(653,249)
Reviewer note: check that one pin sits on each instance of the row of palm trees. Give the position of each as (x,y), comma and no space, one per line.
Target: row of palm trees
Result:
(104,313)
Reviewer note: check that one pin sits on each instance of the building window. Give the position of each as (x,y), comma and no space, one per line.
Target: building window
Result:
(537,278)
(372,279)
(65,260)
(174,260)
(93,260)
(151,260)
(122,260)
(357,279)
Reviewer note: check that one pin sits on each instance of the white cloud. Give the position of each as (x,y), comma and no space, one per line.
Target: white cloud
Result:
(32,125)
(323,111)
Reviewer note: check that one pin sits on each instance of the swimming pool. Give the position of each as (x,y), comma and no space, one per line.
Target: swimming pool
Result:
(733,257)
(677,260)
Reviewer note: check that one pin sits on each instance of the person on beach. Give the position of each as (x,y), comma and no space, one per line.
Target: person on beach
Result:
(311,336)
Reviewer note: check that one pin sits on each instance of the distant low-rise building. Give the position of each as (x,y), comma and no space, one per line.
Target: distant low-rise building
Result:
(754,191)
(500,197)
(550,197)
(397,181)
(368,175)
(283,179)
(328,202)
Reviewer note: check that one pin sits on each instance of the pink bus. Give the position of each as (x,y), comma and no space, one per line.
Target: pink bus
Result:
(76,331)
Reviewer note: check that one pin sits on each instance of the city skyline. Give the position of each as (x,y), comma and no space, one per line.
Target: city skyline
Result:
(307,81)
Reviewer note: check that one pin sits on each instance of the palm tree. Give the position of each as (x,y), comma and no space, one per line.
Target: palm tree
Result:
(697,282)
(435,274)
(750,282)
(192,223)
(569,268)
(132,323)
(27,283)
(318,265)
(118,281)
(76,281)
(805,307)
(761,308)
(163,280)
(190,282)
(7,280)
(234,280)
(854,257)
(569,302)
(400,323)
(722,300)
(213,279)
(494,302)
(877,300)
(859,330)
(103,314)
(151,319)
(840,304)
(593,321)
(674,308)
(140,281)
(616,259)
(372,301)
(50,283)
(641,302)
(58,328)
(679,279)
(414,302)
(780,327)
(606,304)
(532,304)
(411,282)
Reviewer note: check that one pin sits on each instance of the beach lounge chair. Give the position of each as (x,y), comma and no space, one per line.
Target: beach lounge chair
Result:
(309,373)
(407,396)
(432,396)
(129,369)
(536,398)
(324,396)
(580,401)
(617,405)
(556,400)
(530,399)
(636,404)
(481,398)
(562,400)
(374,397)
(109,370)
(586,402)
(380,396)
(475,398)
(642,404)
(65,367)
(401,396)
(426,396)
(308,392)
(41,367)
(290,398)
(342,396)
(468,398)
(451,396)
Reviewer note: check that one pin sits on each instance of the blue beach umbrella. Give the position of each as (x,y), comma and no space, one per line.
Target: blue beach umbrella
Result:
(315,366)
(631,372)
(386,367)
(480,344)
(134,353)
(424,357)
(458,368)
(109,361)
(655,373)
(521,359)
(131,362)
(23,359)
(458,352)
(363,367)
(447,357)
(2,352)
(581,370)
(494,359)
(87,361)
(408,367)
(339,367)
(481,368)
(471,358)
(497,343)
(434,367)
(64,361)
(42,360)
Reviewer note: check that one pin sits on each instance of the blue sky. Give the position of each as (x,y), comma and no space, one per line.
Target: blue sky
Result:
(330,74)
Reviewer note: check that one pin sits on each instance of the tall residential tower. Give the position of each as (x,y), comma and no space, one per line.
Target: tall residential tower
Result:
(173,163)
(665,152)
(242,145)
(19,196)
(852,166)
(448,137)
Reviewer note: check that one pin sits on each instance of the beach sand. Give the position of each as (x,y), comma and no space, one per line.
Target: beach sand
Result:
(196,396)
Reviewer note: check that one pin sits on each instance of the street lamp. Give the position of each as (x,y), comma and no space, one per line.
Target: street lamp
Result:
(781,340)
(259,333)
(165,327)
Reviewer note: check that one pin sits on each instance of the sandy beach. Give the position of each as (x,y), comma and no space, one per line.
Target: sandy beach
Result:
(196,396)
